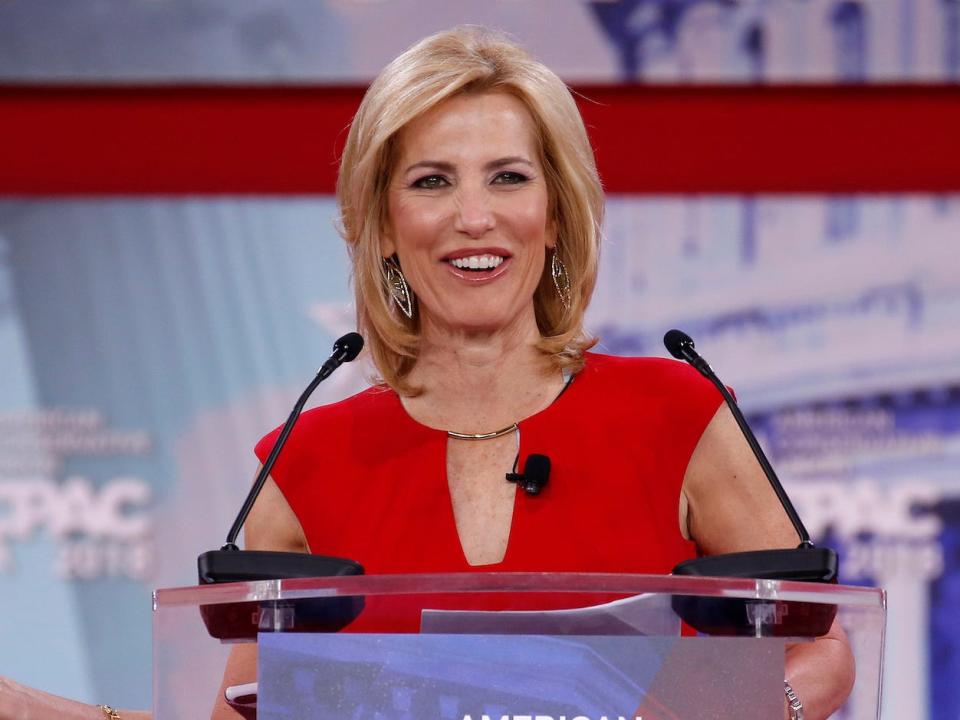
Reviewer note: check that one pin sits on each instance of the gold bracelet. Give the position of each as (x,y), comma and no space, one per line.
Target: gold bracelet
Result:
(109,712)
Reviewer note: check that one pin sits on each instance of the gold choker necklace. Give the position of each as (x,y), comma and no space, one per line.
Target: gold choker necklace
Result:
(567,379)
(482,436)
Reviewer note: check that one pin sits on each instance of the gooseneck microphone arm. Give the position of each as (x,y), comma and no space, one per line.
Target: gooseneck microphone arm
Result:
(681,346)
(344,350)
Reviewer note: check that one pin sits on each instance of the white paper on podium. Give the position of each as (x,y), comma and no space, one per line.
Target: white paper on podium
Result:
(647,614)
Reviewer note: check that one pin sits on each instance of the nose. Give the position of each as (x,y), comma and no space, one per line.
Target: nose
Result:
(474,216)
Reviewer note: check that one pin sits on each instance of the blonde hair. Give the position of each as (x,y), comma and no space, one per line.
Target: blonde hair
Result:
(475,60)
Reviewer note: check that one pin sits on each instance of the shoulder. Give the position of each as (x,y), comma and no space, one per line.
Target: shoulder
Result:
(666,389)
(652,374)
(335,419)
(370,402)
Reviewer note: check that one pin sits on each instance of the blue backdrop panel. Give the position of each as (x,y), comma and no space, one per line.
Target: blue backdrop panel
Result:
(147,344)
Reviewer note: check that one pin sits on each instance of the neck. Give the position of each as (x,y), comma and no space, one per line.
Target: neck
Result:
(481,381)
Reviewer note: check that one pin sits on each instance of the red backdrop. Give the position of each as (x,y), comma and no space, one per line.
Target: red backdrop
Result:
(211,140)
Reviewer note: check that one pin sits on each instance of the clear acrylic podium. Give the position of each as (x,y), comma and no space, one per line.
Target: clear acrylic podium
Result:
(516,645)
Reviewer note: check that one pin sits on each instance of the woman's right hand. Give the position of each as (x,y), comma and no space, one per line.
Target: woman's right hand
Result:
(20,702)
(14,700)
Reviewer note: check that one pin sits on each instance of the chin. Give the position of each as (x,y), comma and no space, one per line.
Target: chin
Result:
(474,322)
(472,315)
(481,328)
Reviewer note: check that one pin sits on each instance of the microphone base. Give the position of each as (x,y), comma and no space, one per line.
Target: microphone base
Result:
(223,566)
(771,618)
(242,621)
(800,564)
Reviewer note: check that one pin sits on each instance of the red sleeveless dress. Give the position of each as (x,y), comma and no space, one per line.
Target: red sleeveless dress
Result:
(368,482)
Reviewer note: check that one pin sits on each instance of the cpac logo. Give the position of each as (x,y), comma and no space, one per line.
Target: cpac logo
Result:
(887,531)
(767,613)
(902,510)
(100,531)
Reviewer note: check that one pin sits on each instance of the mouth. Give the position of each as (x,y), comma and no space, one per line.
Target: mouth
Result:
(475,263)
(478,265)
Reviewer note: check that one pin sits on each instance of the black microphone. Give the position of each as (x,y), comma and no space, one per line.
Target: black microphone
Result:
(739,617)
(345,350)
(802,563)
(230,564)
(535,475)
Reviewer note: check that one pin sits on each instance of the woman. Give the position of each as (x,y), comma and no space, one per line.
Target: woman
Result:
(472,209)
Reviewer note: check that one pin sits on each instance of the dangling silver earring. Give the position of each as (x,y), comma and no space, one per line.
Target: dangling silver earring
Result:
(397,285)
(561,280)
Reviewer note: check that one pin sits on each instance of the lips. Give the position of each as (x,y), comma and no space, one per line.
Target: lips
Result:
(477,251)
(475,264)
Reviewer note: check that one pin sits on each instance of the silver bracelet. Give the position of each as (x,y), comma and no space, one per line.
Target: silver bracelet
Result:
(793,702)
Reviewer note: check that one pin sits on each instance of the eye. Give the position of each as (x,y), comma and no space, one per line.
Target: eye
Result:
(430,182)
(509,177)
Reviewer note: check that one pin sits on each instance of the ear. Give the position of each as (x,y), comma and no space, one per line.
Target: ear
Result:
(388,248)
(551,234)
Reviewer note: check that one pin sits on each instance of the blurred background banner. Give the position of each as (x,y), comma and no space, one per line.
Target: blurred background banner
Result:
(148,340)
(349,41)
(148,344)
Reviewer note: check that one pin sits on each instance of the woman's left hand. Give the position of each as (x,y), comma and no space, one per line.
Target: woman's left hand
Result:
(730,507)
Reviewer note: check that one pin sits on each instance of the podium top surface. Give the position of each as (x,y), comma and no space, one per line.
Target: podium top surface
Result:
(477,616)
(480,582)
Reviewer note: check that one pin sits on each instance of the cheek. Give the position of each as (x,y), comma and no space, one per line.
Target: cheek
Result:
(414,223)
(535,224)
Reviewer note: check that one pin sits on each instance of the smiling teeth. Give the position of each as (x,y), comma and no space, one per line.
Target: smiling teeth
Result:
(477,262)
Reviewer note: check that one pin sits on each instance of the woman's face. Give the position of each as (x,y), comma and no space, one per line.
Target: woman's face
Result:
(468,213)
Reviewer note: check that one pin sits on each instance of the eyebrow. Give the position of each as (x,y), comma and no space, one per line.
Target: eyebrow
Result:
(449,167)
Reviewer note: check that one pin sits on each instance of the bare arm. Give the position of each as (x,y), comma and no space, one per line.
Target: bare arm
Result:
(272,525)
(729,506)
(19,702)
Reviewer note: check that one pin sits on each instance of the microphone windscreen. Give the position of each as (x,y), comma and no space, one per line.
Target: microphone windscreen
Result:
(537,469)
(350,344)
(675,341)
